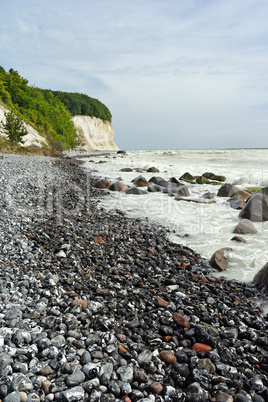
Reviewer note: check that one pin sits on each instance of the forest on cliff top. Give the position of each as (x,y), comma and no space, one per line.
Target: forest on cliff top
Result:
(49,112)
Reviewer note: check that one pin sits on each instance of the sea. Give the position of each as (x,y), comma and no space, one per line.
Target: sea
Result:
(204,228)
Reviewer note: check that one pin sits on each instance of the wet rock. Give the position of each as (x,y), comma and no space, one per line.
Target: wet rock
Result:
(212,176)
(119,186)
(256,208)
(261,278)
(154,188)
(168,357)
(153,170)
(187,177)
(140,181)
(74,394)
(245,226)
(181,321)
(159,181)
(219,259)
(237,202)
(238,239)
(103,184)
(227,190)
(135,190)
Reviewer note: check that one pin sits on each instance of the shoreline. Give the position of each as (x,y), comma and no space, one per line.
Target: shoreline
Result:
(91,299)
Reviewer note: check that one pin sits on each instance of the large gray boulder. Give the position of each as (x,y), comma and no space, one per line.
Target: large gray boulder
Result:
(256,208)
(261,278)
(227,190)
(159,181)
(245,227)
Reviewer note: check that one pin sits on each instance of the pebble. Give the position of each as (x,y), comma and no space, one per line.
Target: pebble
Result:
(130,316)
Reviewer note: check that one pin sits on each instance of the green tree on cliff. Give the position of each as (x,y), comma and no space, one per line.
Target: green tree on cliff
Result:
(14,127)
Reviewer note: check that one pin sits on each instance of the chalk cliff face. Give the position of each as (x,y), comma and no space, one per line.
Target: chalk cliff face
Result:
(33,138)
(94,133)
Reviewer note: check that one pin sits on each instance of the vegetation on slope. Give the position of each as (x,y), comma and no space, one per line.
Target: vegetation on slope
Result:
(49,112)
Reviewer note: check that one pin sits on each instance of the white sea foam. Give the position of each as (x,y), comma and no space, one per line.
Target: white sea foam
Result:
(205,228)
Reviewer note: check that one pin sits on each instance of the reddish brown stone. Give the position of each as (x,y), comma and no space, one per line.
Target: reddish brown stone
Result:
(181,321)
(82,302)
(167,338)
(126,399)
(215,280)
(199,278)
(121,337)
(161,302)
(168,357)
(201,347)
(98,240)
(156,387)
(103,184)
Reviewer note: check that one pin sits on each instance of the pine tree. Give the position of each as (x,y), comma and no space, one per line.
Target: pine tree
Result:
(14,127)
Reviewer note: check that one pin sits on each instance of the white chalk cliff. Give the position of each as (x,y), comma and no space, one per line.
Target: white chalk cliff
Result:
(33,138)
(94,133)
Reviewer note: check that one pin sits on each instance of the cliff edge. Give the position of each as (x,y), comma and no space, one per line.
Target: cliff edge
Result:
(94,133)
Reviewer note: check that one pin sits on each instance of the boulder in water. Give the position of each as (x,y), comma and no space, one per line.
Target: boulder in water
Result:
(154,188)
(245,227)
(159,181)
(227,190)
(219,259)
(256,208)
(135,190)
(119,186)
(261,278)
(140,181)
(187,177)
(103,184)
(237,202)
(153,170)
(212,176)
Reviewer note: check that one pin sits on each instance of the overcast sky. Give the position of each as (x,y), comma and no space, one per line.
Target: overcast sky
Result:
(174,73)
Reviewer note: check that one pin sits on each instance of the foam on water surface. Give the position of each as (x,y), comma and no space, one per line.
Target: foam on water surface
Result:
(204,228)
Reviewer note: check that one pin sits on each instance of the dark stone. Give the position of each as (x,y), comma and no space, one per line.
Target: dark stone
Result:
(256,208)
(135,191)
(261,278)
(219,259)
(245,227)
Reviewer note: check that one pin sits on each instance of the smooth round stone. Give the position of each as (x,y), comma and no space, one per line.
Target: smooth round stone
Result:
(181,321)
(13,397)
(47,370)
(23,396)
(156,387)
(168,357)
(114,388)
(75,378)
(140,376)
(85,358)
(201,347)
(58,341)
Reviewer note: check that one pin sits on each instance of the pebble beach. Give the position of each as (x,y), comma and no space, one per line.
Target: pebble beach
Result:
(96,306)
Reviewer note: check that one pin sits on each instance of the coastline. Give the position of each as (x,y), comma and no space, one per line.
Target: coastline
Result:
(101,296)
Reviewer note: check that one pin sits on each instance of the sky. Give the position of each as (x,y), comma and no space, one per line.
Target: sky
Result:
(175,74)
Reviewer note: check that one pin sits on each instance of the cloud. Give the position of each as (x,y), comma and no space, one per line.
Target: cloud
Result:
(196,66)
